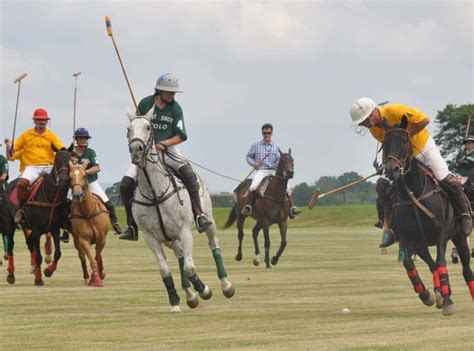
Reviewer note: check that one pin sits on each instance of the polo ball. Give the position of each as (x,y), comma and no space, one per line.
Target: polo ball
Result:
(345,310)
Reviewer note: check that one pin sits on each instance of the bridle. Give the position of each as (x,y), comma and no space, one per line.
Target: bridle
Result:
(400,161)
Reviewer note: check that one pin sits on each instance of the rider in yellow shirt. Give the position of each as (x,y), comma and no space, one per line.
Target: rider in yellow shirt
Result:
(365,113)
(36,149)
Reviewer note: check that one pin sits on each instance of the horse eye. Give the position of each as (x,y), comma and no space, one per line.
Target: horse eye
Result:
(148,127)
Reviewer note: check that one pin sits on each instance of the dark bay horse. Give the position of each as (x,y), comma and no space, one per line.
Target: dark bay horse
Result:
(421,217)
(272,207)
(42,215)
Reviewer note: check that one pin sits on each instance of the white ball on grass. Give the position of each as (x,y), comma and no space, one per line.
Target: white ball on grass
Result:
(345,310)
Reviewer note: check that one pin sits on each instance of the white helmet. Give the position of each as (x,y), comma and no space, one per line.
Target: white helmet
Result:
(361,109)
(167,82)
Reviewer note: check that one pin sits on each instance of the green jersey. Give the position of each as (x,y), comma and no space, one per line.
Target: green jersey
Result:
(465,163)
(166,122)
(89,154)
(3,165)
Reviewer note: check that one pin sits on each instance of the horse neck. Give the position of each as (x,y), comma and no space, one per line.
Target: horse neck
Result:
(278,185)
(51,192)
(416,178)
(156,175)
(89,204)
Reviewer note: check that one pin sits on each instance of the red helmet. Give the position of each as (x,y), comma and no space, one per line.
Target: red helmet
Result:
(41,114)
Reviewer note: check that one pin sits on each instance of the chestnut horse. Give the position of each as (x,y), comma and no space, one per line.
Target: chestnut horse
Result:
(90,224)
(421,217)
(272,207)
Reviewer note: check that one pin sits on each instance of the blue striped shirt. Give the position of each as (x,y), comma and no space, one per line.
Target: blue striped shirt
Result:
(269,153)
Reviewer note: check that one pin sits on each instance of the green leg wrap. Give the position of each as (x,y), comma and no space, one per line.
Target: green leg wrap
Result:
(197,283)
(172,294)
(221,273)
(5,242)
(184,280)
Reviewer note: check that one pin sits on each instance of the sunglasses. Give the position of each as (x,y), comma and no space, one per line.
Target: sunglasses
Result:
(266,133)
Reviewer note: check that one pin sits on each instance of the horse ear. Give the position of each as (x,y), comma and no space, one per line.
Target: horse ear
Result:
(289,151)
(149,114)
(404,123)
(385,124)
(130,114)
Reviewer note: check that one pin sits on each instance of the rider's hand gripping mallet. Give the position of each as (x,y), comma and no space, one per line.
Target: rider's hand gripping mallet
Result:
(17,80)
(110,34)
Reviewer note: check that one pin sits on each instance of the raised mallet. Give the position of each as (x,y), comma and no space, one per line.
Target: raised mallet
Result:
(110,34)
(17,80)
(75,75)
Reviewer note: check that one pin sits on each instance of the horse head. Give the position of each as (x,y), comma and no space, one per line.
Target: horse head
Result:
(397,149)
(140,137)
(60,172)
(285,168)
(78,177)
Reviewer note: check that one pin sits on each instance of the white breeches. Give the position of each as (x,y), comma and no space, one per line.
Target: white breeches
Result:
(175,161)
(34,172)
(94,188)
(431,158)
(258,177)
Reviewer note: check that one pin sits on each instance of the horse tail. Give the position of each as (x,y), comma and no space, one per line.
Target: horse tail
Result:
(231,219)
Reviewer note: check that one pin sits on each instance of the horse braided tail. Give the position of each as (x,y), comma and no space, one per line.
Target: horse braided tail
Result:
(231,219)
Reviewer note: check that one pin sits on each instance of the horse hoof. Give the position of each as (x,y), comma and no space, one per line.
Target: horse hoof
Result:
(39,282)
(256,262)
(439,299)
(11,278)
(229,292)
(48,259)
(206,294)
(96,283)
(427,298)
(238,257)
(102,275)
(86,282)
(175,309)
(47,272)
(193,302)
(274,260)
(448,310)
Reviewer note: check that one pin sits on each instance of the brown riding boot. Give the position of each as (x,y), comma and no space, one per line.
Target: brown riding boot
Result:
(22,191)
(249,198)
(460,202)
(190,180)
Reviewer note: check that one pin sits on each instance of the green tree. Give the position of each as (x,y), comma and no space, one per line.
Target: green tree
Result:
(452,122)
(302,194)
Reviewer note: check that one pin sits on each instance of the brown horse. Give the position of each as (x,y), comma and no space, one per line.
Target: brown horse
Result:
(90,224)
(272,207)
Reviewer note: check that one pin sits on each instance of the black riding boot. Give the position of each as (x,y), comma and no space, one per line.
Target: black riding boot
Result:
(388,236)
(190,180)
(379,223)
(127,187)
(113,217)
(65,220)
(248,198)
(460,202)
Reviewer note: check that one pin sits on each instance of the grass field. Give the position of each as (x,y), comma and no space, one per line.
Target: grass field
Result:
(331,262)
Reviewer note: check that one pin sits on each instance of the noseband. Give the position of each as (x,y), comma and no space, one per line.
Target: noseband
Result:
(146,146)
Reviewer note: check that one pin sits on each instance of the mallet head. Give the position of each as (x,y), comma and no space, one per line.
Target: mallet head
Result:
(19,78)
(76,74)
(314,199)
(108,25)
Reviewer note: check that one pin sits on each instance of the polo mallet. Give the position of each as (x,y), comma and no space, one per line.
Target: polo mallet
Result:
(75,75)
(468,127)
(110,34)
(17,80)
(317,194)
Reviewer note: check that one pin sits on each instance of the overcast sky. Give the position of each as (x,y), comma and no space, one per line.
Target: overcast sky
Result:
(298,65)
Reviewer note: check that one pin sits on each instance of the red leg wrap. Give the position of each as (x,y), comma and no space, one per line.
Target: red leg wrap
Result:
(52,267)
(471,288)
(33,258)
(412,273)
(436,282)
(38,274)
(443,279)
(11,265)
(420,288)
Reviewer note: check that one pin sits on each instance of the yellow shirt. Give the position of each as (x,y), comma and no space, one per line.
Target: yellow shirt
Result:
(36,150)
(394,114)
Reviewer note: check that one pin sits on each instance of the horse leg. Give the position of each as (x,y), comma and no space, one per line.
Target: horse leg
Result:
(423,293)
(99,247)
(448,304)
(31,247)
(227,288)
(266,236)
(192,299)
(35,237)
(283,225)
(425,255)
(5,245)
(157,249)
(48,271)
(11,260)
(255,231)
(48,249)
(463,249)
(95,280)
(240,235)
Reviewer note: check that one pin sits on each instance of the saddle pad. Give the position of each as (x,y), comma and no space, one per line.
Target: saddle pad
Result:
(33,190)
(264,184)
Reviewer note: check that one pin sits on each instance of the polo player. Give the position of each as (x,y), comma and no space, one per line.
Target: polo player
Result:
(263,156)
(35,149)
(366,114)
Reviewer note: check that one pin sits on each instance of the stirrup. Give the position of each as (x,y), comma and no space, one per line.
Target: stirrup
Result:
(294,211)
(247,210)
(129,234)
(202,222)
(378,224)
(388,238)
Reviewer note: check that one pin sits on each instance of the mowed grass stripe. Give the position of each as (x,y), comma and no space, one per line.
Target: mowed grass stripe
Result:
(295,305)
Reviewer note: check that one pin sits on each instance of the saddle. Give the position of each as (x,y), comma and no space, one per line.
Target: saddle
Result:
(32,192)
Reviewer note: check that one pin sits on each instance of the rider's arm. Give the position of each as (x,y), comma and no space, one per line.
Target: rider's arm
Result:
(175,140)
(251,155)
(415,128)
(93,170)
